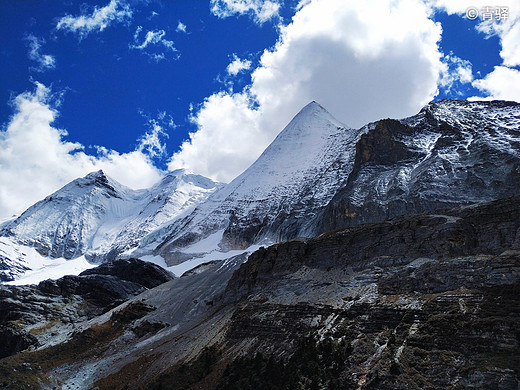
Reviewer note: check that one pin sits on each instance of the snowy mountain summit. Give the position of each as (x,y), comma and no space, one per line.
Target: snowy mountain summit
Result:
(272,200)
(66,223)
(317,175)
(98,217)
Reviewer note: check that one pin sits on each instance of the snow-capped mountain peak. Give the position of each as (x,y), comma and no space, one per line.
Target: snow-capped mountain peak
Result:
(101,181)
(310,116)
(297,174)
(317,175)
(96,216)
(300,147)
(64,223)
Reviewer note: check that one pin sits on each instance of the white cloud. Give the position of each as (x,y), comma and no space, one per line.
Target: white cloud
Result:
(44,61)
(35,158)
(150,143)
(260,10)
(508,30)
(237,66)
(154,41)
(455,71)
(338,53)
(98,20)
(510,38)
(501,84)
(181,27)
(229,136)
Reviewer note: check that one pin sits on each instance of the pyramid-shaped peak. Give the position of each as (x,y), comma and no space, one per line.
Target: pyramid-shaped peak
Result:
(311,121)
(313,107)
(314,114)
(95,178)
(315,104)
(179,172)
(98,179)
(298,148)
(174,175)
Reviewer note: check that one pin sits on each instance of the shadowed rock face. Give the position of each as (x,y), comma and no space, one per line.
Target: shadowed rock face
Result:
(450,154)
(29,314)
(132,270)
(485,230)
(424,302)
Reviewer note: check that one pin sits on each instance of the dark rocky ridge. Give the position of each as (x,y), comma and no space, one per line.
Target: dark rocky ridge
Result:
(427,302)
(30,315)
(424,302)
(467,163)
(486,230)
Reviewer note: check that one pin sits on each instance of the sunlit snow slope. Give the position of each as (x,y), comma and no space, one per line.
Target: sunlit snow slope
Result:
(276,196)
(99,218)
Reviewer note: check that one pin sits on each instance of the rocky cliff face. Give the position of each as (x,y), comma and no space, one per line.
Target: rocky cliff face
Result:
(452,153)
(486,230)
(48,313)
(426,302)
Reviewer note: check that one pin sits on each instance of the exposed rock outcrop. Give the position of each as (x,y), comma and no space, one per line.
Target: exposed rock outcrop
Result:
(424,302)
(48,313)
(446,156)
(427,302)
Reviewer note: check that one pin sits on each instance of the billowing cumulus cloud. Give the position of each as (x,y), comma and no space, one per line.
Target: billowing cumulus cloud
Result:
(502,84)
(237,65)
(260,10)
(31,148)
(98,20)
(229,137)
(361,60)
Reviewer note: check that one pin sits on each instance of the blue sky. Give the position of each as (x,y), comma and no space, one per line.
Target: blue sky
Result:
(110,91)
(140,87)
